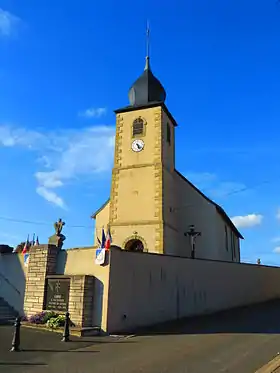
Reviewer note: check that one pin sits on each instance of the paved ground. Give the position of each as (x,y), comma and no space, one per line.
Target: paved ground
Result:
(238,341)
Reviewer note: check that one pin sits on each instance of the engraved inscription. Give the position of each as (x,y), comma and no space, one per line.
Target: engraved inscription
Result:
(57,294)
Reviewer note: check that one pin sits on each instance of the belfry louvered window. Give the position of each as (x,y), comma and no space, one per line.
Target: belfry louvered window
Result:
(138,127)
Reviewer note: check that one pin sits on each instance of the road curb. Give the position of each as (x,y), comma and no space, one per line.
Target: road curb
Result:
(271,366)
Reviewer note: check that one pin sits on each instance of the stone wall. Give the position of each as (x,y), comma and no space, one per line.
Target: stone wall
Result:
(88,290)
(42,262)
(24,288)
(81,300)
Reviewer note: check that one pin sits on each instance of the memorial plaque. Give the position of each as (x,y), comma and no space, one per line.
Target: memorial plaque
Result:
(57,294)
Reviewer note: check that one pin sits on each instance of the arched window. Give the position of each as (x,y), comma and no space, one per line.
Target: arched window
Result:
(138,127)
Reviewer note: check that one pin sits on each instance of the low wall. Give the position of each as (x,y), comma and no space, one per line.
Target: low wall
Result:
(72,262)
(81,261)
(12,279)
(147,288)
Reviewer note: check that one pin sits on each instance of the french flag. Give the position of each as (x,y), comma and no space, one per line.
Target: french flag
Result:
(24,251)
(103,239)
(108,240)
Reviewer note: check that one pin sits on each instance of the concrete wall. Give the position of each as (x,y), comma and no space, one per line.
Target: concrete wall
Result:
(150,288)
(12,279)
(82,262)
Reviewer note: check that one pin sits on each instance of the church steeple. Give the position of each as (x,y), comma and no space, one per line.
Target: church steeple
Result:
(147,88)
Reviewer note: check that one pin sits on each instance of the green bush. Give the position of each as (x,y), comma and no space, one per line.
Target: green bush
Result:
(57,321)
(48,316)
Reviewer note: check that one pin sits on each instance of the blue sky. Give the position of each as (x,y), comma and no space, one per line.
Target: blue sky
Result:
(66,65)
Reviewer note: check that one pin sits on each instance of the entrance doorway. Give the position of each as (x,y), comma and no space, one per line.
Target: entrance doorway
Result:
(134,245)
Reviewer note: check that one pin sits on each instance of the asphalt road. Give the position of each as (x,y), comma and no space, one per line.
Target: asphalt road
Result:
(237,341)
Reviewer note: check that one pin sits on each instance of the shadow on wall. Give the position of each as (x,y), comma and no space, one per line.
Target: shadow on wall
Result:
(12,280)
(97,302)
(262,318)
(61,262)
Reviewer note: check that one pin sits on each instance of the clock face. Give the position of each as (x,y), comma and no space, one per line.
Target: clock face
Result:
(137,145)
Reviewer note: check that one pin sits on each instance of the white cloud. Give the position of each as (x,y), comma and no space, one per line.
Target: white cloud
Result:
(50,196)
(8,23)
(11,136)
(64,155)
(247,221)
(275,239)
(276,250)
(93,112)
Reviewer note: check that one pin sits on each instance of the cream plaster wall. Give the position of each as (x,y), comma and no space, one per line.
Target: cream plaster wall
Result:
(152,138)
(12,279)
(101,220)
(82,262)
(149,197)
(145,232)
(151,288)
(168,150)
(184,206)
(136,195)
(226,252)
(136,190)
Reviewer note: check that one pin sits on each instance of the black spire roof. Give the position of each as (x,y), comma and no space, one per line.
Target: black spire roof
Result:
(147,88)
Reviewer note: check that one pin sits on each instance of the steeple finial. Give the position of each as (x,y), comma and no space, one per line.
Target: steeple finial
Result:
(147,88)
(147,66)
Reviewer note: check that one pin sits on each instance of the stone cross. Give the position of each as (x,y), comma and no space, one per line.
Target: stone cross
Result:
(57,238)
(58,226)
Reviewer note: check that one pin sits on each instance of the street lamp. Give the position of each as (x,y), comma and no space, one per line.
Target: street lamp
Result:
(193,235)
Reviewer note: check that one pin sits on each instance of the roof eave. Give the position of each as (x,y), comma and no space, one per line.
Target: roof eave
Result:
(147,106)
(229,221)
(93,216)
(219,208)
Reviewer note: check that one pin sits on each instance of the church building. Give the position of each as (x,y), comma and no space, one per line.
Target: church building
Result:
(152,205)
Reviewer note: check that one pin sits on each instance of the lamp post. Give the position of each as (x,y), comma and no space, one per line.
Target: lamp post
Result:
(193,235)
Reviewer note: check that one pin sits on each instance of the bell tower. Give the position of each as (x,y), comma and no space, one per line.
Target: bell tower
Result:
(144,152)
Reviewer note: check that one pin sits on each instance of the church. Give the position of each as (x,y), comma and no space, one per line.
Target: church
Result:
(152,205)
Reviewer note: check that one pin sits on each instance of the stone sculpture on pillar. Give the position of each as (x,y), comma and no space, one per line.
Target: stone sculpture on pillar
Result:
(58,238)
